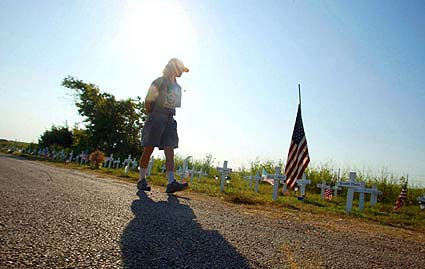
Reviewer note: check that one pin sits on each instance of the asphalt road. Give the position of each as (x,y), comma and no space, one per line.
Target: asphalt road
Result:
(53,217)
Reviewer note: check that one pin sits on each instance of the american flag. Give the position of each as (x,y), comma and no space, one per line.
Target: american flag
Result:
(298,157)
(400,200)
(329,193)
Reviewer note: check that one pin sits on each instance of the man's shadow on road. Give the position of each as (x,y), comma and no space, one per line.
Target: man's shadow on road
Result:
(165,234)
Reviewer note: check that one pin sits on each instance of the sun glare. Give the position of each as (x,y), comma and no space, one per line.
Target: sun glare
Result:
(154,31)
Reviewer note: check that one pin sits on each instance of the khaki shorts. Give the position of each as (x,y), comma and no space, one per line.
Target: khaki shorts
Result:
(160,130)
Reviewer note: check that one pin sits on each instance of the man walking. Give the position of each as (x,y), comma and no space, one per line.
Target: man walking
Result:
(160,128)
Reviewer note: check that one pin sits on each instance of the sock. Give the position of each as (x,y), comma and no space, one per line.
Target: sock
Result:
(170,176)
(142,173)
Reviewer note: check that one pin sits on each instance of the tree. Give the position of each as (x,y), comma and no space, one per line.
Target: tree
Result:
(81,139)
(56,137)
(112,126)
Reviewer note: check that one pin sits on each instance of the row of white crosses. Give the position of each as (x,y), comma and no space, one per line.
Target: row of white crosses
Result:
(278,178)
(82,158)
(129,163)
(257,178)
(108,161)
(61,155)
(185,172)
(353,187)
(199,173)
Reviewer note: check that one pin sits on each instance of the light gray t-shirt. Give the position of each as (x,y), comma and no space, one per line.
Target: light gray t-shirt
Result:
(168,97)
(173,96)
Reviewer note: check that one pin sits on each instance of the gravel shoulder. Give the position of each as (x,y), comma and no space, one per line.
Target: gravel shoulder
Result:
(54,217)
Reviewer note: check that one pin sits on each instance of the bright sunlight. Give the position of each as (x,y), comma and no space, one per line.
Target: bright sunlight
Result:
(154,31)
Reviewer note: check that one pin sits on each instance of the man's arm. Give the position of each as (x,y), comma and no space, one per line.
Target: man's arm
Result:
(151,98)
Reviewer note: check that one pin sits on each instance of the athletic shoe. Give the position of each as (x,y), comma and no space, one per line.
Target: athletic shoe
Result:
(175,186)
(142,185)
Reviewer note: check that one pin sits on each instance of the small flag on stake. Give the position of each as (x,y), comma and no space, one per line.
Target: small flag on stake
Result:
(329,194)
(401,198)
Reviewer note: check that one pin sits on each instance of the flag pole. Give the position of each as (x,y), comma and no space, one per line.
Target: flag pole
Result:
(299,94)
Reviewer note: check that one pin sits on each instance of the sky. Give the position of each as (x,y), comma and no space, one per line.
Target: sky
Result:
(360,66)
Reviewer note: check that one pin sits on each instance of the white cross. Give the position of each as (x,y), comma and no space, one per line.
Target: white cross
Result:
(277,177)
(134,164)
(82,157)
(373,195)
(180,172)
(109,160)
(250,178)
(257,178)
(361,190)
(186,163)
(336,189)
(192,172)
(117,163)
(128,160)
(224,172)
(183,172)
(199,173)
(323,187)
(351,184)
(302,183)
(62,155)
(77,158)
